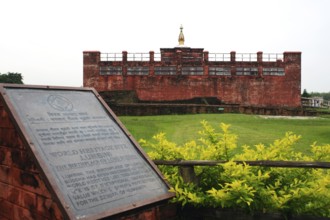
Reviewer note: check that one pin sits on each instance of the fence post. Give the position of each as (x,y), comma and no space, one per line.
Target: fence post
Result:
(188,174)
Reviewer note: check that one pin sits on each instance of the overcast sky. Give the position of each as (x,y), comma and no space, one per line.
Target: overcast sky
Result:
(44,40)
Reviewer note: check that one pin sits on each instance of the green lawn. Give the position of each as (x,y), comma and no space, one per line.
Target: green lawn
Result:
(251,129)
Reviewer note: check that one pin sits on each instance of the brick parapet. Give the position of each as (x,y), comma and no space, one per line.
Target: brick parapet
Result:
(91,60)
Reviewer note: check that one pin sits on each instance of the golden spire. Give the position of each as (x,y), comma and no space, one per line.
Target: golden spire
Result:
(181,37)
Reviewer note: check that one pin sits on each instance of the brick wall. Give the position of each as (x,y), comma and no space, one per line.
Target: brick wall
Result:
(256,89)
(23,193)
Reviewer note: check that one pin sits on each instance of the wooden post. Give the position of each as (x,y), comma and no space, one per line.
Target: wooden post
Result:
(188,174)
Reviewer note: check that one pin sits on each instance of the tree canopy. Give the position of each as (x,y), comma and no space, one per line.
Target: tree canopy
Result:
(9,77)
(325,95)
(305,94)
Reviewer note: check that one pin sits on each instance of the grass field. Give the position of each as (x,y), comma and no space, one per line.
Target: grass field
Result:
(251,129)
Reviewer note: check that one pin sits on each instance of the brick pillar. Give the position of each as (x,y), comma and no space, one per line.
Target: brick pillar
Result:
(259,60)
(91,57)
(151,56)
(259,57)
(124,63)
(232,56)
(124,56)
(91,60)
(151,63)
(205,62)
(179,62)
(292,64)
(292,57)
(233,63)
(206,56)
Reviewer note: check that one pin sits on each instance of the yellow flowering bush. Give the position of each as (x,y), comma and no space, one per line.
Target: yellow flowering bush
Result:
(291,191)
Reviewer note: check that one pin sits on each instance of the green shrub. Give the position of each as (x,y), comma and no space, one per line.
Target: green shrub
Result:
(291,191)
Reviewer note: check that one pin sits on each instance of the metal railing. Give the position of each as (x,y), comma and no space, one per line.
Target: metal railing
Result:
(246,57)
(186,167)
(316,102)
(219,57)
(111,56)
(326,104)
(272,57)
(262,163)
(157,57)
(138,56)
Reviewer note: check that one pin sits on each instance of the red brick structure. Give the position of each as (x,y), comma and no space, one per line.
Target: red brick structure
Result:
(23,193)
(184,73)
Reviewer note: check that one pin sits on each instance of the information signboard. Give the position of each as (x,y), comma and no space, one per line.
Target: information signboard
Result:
(90,161)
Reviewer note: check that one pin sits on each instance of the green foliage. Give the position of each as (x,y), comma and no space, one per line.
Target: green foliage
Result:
(325,95)
(305,94)
(321,153)
(11,78)
(292,191)
(186,192)
(217,146)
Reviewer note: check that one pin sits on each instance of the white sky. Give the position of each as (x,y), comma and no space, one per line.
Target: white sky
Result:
(44,40)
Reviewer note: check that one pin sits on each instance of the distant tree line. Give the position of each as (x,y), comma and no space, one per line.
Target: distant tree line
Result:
(9,77)
(325,95)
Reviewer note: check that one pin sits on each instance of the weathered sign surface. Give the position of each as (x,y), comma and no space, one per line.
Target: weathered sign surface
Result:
(94,167)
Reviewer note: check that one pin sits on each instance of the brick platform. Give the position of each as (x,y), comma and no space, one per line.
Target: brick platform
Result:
(184,73)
